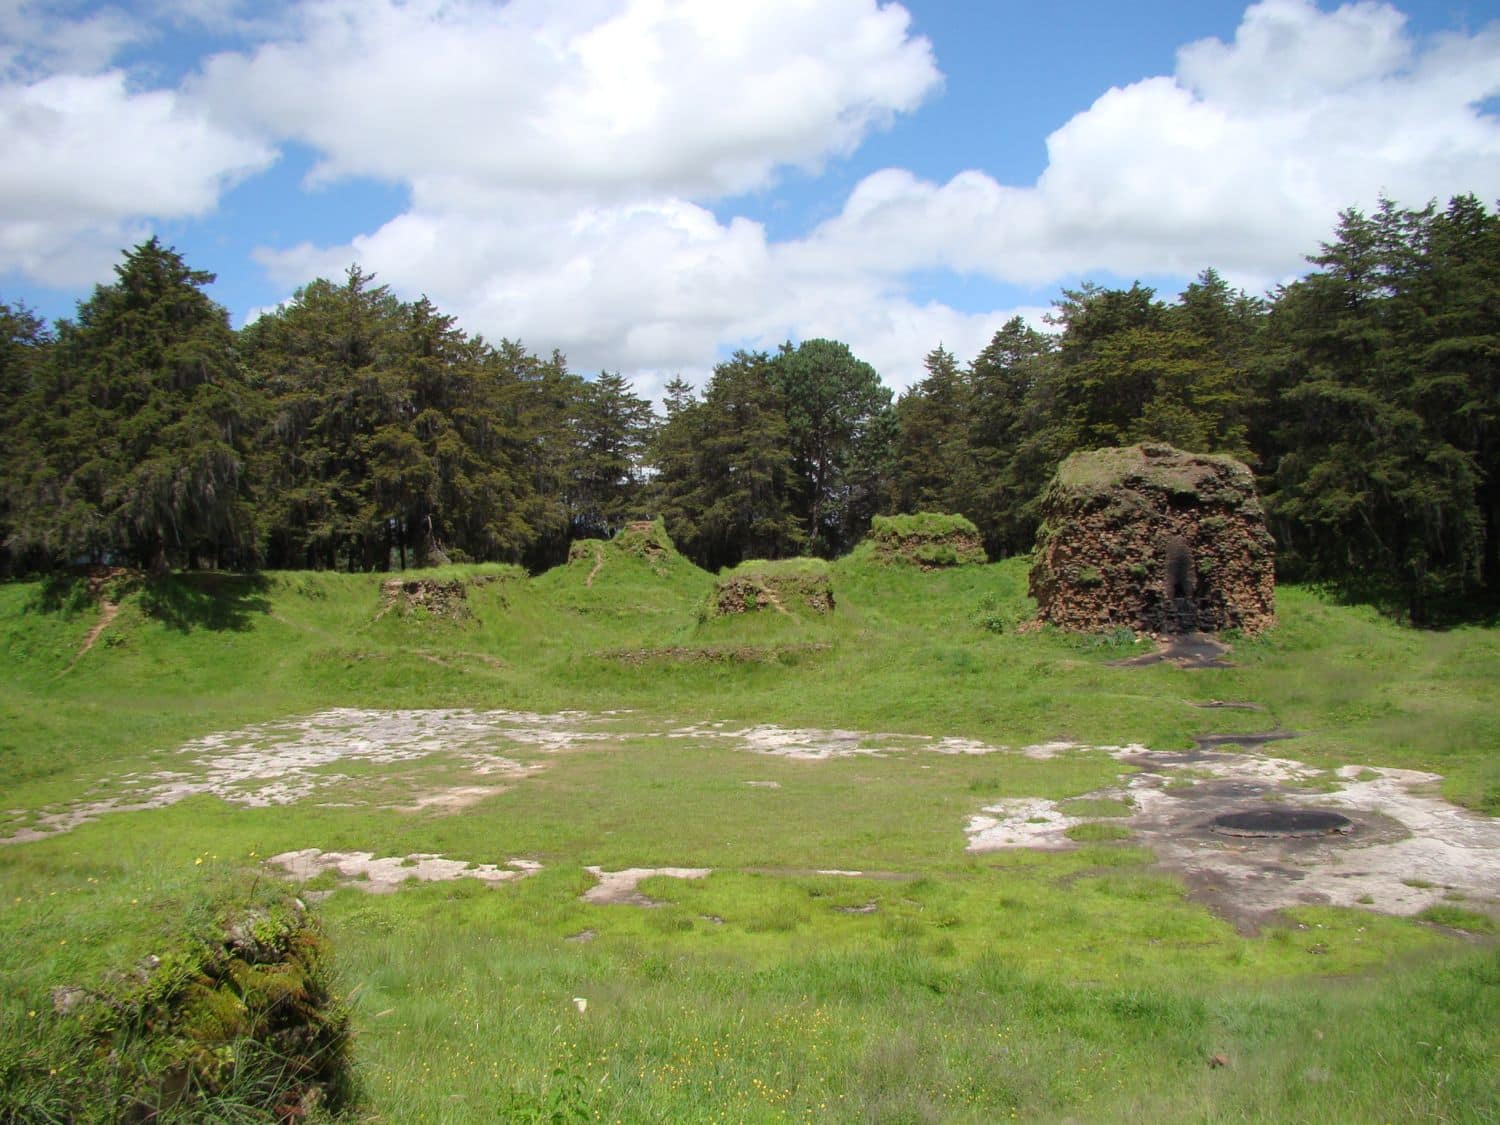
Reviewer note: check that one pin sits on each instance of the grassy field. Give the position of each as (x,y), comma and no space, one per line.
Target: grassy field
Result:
(940,986)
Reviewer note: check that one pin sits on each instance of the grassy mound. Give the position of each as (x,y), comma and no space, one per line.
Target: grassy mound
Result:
(643,542)
(788,586)
(927,540)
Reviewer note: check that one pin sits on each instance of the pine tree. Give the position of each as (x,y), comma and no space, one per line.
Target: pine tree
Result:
(934,459)
(1373,484)
(145,425)
(725,473)
(837,419)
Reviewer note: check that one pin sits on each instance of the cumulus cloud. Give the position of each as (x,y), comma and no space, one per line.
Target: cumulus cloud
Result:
(695,97)
(39,38)
(560,160)
(87,160)
(1240,160)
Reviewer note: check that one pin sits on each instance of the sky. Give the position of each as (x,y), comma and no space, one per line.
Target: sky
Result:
(647,185)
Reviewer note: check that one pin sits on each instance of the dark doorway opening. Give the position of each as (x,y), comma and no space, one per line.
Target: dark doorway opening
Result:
(1180,583)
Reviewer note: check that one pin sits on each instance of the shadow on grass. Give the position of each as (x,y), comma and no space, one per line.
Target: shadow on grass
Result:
(1476,607)
(77,589)
(206,600)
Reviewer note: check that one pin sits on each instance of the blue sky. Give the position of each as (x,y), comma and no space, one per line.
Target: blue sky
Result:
(645,184)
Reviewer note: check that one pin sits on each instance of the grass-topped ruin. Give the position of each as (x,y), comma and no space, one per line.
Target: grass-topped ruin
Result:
(1149,538)
(928,540)
(792,587)
(641,542)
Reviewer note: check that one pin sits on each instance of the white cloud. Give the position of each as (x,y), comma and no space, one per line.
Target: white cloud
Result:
(689,97)
(570,222)
(1241,160)
(652,288)
(559,160)
(39,38)
(87,161)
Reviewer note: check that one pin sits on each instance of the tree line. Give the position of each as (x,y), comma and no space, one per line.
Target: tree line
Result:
(351,429)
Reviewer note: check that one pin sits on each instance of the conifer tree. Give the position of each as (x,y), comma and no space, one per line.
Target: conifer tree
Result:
(144,424)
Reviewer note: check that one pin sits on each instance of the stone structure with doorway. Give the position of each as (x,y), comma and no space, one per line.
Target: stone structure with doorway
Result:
(1150,538)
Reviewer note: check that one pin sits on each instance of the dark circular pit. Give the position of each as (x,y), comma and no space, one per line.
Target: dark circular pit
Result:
(1282,822)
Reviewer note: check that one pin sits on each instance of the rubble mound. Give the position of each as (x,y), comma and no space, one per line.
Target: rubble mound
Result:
(448,599)
(788,586)
(928,540)
(1150,538)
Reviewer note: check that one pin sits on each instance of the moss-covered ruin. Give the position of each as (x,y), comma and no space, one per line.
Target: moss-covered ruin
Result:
(790,586)
(1150,538)
(234,1019)
(928,540)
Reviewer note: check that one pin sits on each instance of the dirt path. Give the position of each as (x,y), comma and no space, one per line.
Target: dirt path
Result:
(108,612)
(598,566)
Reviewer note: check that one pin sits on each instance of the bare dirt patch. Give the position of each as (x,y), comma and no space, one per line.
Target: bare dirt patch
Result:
(385,875)
(405,596)
(1185,650)
(616,888)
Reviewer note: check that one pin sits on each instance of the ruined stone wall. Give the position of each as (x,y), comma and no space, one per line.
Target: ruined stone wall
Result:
(782,592)
(1153,539)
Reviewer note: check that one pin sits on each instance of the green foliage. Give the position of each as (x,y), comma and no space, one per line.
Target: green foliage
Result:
(725,475)
(839,426)
(140,425)
(1383,475)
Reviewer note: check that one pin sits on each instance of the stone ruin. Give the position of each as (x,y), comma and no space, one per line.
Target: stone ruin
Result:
(1155,540)
(787,590)
(926,540)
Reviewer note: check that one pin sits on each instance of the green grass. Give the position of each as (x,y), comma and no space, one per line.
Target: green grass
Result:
(941,986)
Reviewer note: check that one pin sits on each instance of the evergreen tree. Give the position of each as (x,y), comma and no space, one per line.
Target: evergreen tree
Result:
(611,428)
(1374,485)
(24,340)
(837,422)
(1010,383)
(935,463)
(144,424)
(724,470)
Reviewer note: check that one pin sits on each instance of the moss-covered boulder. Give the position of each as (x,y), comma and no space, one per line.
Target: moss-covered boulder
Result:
(789,586)
(234,1019)
(1150,538)
(928,540)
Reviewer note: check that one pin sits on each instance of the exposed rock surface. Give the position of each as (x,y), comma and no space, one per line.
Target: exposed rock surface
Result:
(1150,538)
